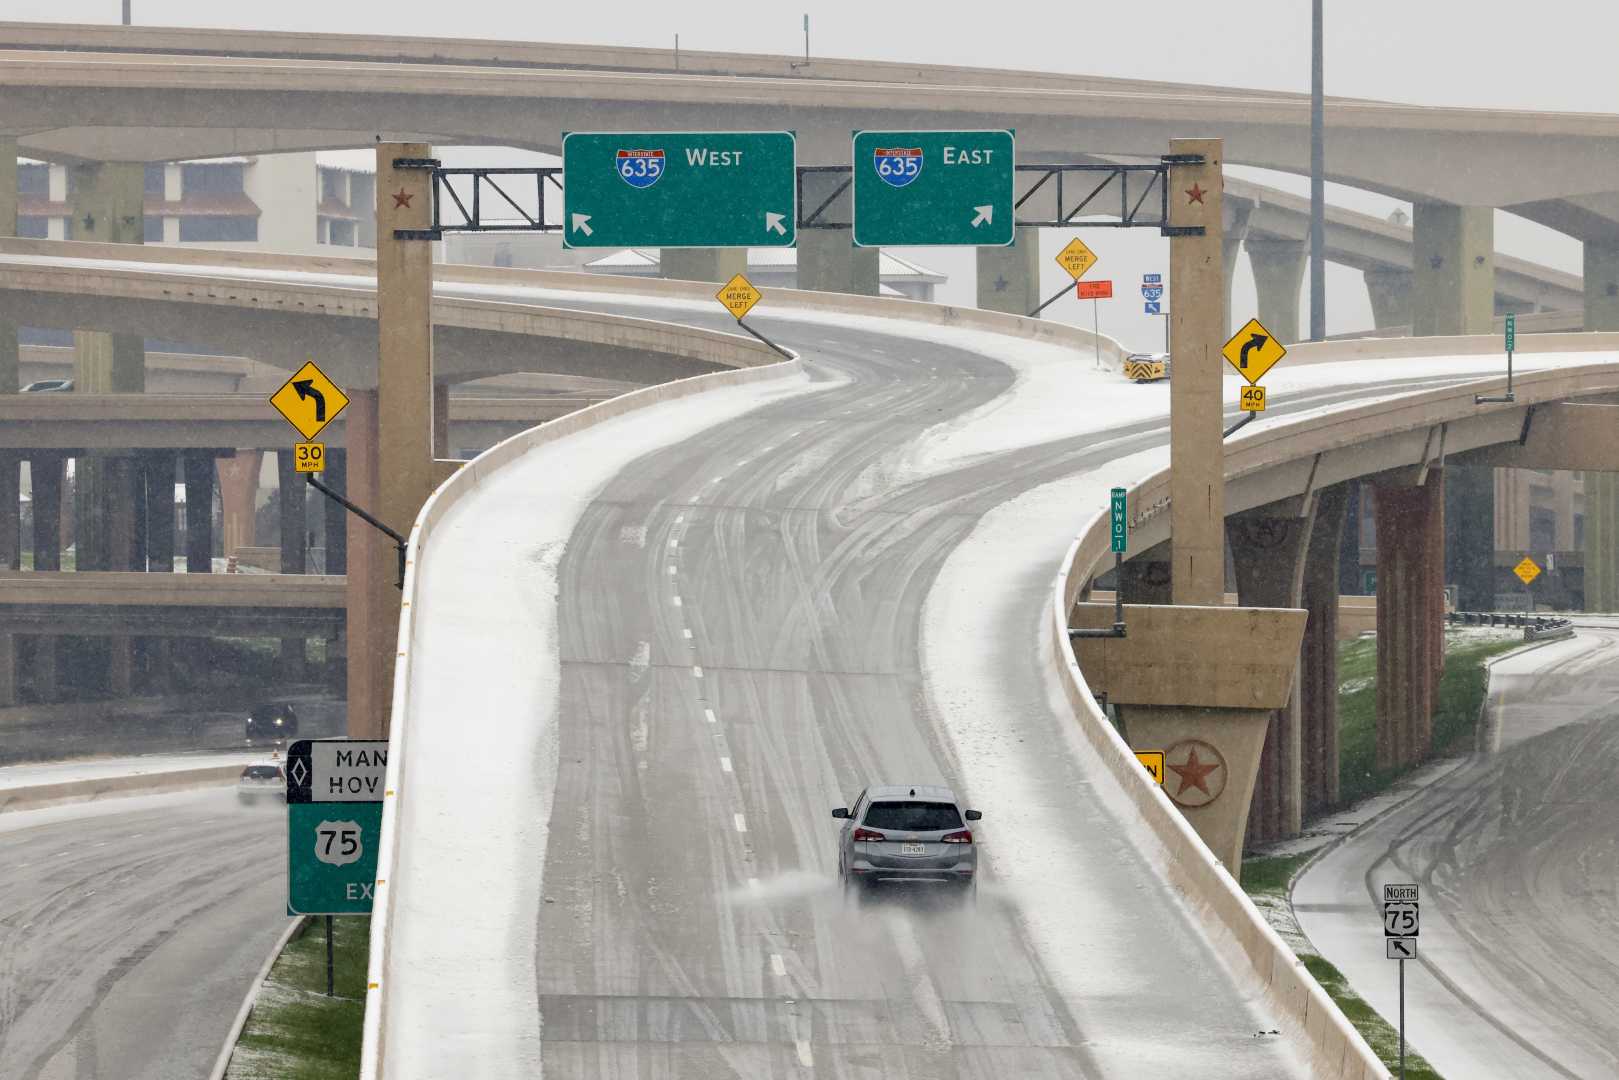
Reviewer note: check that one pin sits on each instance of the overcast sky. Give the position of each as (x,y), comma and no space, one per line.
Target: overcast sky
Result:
(1481,53)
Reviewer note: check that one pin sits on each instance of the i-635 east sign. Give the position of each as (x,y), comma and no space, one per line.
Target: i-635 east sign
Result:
(680,189)
(933,187)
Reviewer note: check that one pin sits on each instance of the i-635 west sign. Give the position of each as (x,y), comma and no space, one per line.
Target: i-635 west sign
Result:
(680,189)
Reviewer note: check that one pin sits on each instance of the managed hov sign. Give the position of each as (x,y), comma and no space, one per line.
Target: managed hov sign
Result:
(932,188)
(336,770)
(335,789)
(680,189)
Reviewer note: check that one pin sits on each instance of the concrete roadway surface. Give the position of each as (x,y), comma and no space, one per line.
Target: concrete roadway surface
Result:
(1516,852)
(739,617)
(130,929)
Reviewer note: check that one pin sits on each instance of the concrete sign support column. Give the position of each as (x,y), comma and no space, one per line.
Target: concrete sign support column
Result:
(1453,261)
(1009,277)
(1197,305)
(369,584)
(405,474)
(1410,616)
(829,262)
(717,265)
(1278,265)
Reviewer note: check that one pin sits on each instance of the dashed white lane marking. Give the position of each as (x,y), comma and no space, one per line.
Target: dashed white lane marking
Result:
(671,568)
(805,1058)
(712,719)
(687,632)
(679,602)
(725,764)
(778,966)
(696,672)
(674,543)
(741,823)
(679,518)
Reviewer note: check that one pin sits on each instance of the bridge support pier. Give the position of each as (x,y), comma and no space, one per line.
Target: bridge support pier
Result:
(1410,616)
(1317,692)
(693,264)
(199,481)
(157,469)
(828,261)
(1601,285)
(10,379)
(1235,215)
(1453,276)
(1278,265)
(45,477)
(335,477)
(1390,292)
(1009,277)
(1268,551)
(238,498)
(1601,541)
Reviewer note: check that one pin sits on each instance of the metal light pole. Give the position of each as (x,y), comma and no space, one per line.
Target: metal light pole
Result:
(126,12)
(1318,229)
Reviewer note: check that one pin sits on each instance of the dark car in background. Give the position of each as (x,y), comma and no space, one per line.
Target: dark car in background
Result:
(262,780)
(272,721)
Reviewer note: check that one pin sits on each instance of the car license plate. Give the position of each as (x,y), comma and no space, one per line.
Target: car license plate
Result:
(913,849)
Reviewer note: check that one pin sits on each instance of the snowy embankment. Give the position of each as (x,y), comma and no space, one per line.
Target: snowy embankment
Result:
(452,980)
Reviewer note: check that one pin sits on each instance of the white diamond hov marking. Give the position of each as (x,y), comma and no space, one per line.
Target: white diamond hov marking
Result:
(741,824)
(777,966)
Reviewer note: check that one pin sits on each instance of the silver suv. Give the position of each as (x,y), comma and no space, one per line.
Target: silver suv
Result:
(906,834)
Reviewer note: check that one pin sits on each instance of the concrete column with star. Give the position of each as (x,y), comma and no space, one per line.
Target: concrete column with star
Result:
(1196,332)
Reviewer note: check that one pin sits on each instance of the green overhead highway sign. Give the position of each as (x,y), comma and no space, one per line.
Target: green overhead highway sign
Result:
(918,188)
(680,189)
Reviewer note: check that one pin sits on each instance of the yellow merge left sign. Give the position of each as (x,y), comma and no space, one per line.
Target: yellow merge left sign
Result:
(309,400)
(738,295)
(1527,571)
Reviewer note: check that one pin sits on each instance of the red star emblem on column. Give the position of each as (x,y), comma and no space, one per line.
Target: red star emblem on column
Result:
(402,198)
(1194,194)
(1194,773)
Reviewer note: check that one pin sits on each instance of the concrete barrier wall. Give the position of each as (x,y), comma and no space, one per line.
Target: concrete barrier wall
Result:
(1310,1020)
(74,791)
(465,480)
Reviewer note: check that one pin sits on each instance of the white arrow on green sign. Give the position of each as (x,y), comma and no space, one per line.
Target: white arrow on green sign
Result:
(680,189)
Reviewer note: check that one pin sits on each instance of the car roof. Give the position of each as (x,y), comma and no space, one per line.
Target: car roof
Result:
(929,792)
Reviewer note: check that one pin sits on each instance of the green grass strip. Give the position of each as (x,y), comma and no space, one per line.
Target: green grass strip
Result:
(296,1032)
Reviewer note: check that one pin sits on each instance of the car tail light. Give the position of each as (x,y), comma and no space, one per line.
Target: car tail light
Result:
(965,836)
(868,834)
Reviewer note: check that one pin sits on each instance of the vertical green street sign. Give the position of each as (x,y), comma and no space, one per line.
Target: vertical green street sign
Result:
(680,189)
(332,857)
(1120,526)
(918,188)
(1512,331)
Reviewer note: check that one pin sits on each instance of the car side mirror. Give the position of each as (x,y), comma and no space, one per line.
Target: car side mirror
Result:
(973,815)
(841,812)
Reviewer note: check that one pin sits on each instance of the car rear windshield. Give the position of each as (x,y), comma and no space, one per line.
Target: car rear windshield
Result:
(261,772)
(913,816)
